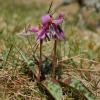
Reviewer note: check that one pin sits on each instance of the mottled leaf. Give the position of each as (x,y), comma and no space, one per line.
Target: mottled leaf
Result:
(80,87)
(54,89)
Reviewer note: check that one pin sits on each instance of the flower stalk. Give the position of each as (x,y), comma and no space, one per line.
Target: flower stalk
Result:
(40,62)
(54,58)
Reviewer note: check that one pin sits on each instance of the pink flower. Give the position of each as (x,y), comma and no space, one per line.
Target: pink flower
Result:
(50,29)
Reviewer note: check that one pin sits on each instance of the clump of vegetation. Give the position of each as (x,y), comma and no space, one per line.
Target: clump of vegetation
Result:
(49,66)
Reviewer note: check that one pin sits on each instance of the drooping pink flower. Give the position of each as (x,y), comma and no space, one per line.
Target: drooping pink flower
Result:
(50,29)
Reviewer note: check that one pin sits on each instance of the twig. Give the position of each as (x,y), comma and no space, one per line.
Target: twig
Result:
(55,9)
(78,58)
(50,6)
(88,70)
(66,58)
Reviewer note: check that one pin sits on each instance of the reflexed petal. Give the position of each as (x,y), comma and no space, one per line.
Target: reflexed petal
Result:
(46,19)
(61,15)
(41,34)
(34,29)
(43,37)
(61,36)
(59,32)
(58,22)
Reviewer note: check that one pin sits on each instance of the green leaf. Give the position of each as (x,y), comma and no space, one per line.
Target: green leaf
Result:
(32,66)
(6,55)
(80,87)
(54,89)
(24,57)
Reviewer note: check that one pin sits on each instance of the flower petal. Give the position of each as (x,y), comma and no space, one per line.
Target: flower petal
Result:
(34,29)
(46,19)
(58,22)
(41,34)
(61,15)
(59,32)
